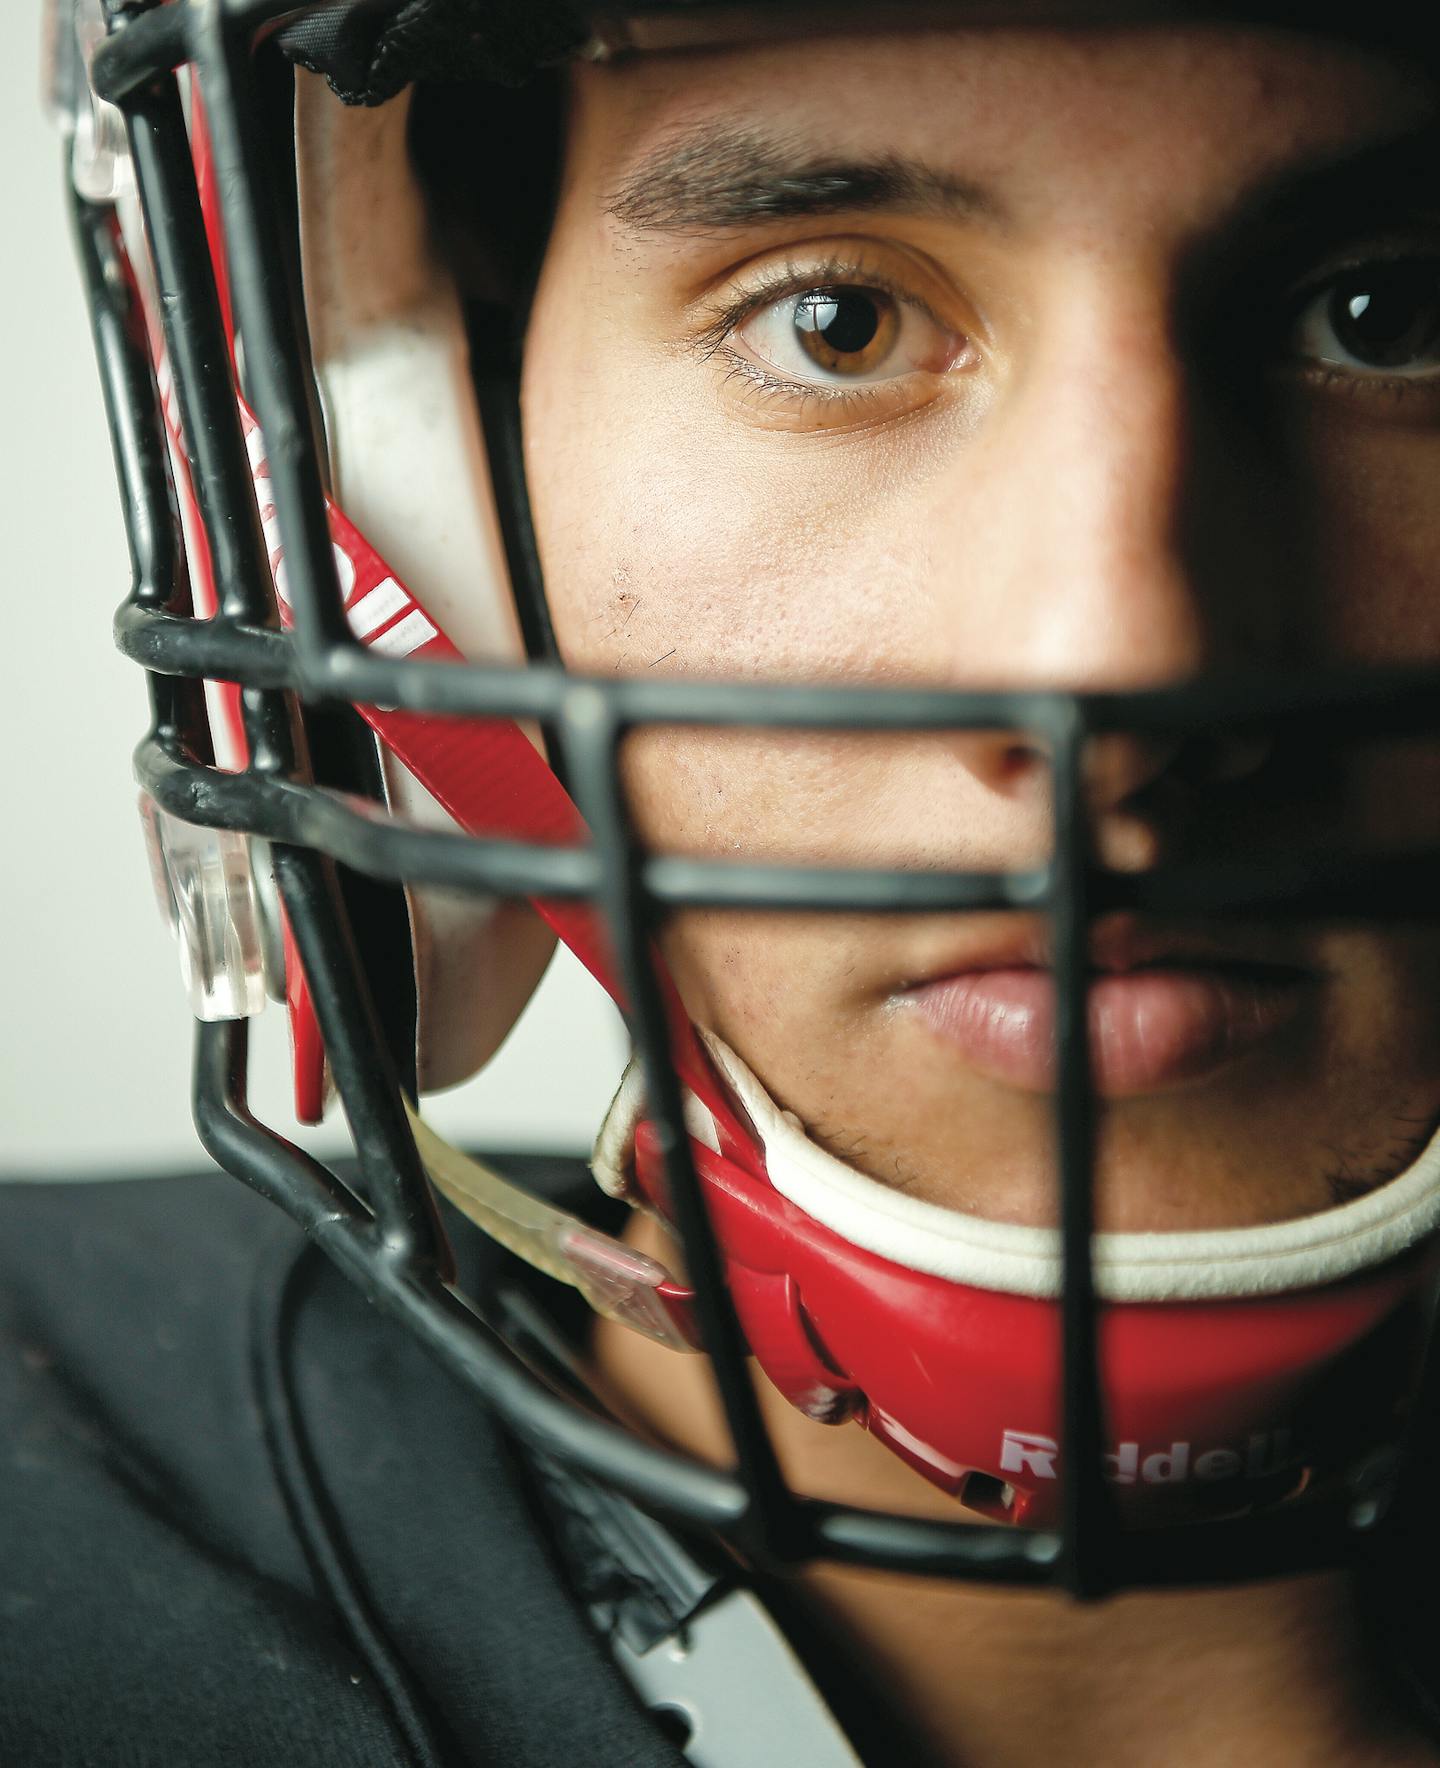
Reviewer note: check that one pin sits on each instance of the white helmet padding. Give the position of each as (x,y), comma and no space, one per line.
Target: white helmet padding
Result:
(408,466)
(1215,1264)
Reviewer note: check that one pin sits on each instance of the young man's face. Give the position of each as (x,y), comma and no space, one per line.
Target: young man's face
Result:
(1081,360)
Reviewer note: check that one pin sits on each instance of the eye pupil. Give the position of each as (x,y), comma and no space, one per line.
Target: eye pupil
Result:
(848,331)
(846,320)
(1389,317)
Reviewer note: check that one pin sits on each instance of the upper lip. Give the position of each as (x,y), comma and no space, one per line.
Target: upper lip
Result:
(1122,942)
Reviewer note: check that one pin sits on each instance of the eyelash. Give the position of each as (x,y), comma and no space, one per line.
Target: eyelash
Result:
(1336,382)
(798,396)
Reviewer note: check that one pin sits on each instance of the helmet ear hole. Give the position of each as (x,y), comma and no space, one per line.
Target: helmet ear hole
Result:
(675,1722)
(989,1496)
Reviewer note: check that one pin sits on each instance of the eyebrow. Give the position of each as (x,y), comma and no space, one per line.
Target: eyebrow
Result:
(1386,177)
(1344,195)
(711,179)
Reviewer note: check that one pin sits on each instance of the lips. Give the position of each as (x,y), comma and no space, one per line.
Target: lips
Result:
(1160,1011)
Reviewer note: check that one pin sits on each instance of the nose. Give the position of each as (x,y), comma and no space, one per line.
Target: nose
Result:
(1115,767)
(1107,524)
(1109,534)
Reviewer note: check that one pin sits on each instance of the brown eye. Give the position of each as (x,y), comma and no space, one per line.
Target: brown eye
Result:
(846,330)
(845,333)
(1381,318)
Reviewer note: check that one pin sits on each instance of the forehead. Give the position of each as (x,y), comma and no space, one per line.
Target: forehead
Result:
(1179,113)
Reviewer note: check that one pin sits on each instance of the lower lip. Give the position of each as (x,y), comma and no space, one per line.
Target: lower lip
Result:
(1149,1029)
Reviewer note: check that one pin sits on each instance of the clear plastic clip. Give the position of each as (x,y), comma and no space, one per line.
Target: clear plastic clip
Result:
(627,1286)
(99,150)
(617,1281)
(209,894)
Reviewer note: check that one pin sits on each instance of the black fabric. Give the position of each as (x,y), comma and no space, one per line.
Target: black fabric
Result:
(244,1520)
(368,55)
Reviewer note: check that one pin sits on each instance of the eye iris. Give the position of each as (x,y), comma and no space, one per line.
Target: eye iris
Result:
(848,329)
(1387,319)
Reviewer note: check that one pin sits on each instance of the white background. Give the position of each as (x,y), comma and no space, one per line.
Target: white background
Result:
(95,1035)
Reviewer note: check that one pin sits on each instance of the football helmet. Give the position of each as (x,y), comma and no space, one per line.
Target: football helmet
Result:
(360,720)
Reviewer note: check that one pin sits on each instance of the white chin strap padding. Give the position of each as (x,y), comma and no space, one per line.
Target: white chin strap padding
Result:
(1212,1264)
(408,467)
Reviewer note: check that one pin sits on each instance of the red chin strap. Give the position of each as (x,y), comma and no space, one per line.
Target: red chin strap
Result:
(1212,1407)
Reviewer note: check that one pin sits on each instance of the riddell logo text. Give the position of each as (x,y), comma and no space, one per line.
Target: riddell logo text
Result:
(1266,1452)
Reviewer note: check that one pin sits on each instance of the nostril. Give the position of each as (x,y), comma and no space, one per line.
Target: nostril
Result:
(1005,761)
(1118,768)
(1224,756)
(1019,759)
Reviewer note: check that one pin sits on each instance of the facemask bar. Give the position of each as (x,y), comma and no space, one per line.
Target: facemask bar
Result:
(391,1243)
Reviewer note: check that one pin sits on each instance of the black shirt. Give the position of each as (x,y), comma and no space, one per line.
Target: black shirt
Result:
(246,1520)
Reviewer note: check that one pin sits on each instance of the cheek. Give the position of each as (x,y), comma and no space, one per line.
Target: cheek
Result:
(790,989)
(696,559)
(681,541)
(678,535)
(1370,537)
(673,545)
(1383,1028)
